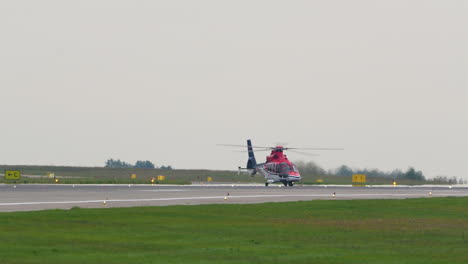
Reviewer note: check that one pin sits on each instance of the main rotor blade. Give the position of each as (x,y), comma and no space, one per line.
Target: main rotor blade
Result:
(316,148)
(243,146)
(230,145)
(269,148)
(304,153)
(257,150)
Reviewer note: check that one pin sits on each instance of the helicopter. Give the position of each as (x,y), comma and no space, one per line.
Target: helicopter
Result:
(277,168)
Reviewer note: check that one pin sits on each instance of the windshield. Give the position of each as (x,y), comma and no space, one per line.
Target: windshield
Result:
(285,168)
(295,168)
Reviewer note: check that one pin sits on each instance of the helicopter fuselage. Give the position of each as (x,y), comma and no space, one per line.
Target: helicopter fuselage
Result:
(278,168)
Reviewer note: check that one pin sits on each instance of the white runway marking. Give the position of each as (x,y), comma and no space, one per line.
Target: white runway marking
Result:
(200,198)
(163,190)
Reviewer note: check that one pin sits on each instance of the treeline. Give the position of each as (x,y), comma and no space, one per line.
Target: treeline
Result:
(311,168)
(410,174)
(145,164)
(445,179)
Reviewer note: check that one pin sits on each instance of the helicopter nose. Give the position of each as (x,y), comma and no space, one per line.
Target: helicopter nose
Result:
(295,176)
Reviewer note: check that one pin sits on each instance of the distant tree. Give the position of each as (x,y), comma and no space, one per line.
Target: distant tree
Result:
(439,180)
(446,180)
(344,170)
(396,174)
(144,164)
(310,168)
(169,167)
(412,174)
(453,180)
(371,172)
(111,163)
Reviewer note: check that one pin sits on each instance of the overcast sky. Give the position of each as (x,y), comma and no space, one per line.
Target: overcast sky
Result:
(85,81)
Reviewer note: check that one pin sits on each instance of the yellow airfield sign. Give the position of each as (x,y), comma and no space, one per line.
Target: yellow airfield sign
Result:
(359,180)
(161,178)
(12,175)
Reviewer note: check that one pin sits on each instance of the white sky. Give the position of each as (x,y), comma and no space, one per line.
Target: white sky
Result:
(84,81)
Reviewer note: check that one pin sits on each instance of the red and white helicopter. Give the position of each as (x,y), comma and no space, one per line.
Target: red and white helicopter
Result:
(277,167)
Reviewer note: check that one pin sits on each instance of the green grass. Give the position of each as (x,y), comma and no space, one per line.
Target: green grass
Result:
(76,175)
(96,175)
(337,231)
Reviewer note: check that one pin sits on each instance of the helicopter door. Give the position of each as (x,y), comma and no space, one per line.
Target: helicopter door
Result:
(270,167)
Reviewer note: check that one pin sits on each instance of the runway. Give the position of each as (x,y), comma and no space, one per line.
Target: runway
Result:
(29,197)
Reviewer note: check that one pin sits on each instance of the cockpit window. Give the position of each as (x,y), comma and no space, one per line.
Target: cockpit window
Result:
(285,168)
(294,168)
(281,167)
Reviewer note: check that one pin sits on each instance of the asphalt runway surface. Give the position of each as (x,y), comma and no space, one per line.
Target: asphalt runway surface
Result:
(29,197)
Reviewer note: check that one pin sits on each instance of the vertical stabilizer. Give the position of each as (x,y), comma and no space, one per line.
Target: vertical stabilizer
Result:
(251,163)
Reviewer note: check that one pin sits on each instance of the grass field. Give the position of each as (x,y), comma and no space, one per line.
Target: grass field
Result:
(122,175)
(85,175)
(357,231)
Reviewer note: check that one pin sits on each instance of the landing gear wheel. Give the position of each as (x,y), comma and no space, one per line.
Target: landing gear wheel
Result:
(290,183)
(266,184)
(285,183)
